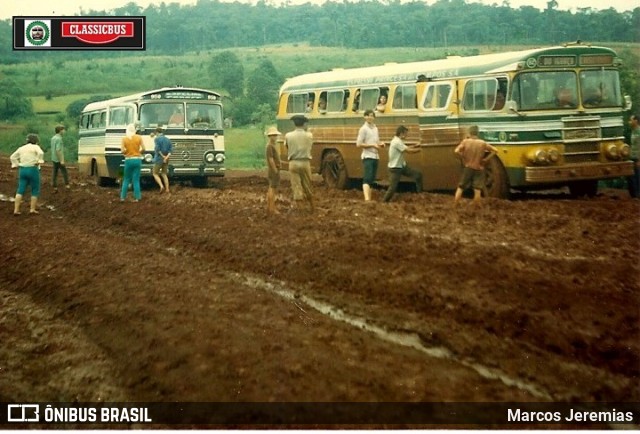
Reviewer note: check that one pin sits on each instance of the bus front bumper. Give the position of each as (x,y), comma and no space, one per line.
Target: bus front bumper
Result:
(188,171)
(577,172)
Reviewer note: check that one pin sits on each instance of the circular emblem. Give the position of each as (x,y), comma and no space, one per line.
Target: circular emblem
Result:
(502,136)
(532,62)
(186,155)
(37,33)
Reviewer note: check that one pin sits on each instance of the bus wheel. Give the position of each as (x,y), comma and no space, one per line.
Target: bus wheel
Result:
(587,188)
(496,182)
(334,171)
(99,180)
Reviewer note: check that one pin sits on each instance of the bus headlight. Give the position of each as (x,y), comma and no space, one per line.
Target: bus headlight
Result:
(148,158)
(220,158)
(538,156)
(209,157)
(554,155)
(625,151)
(612,152)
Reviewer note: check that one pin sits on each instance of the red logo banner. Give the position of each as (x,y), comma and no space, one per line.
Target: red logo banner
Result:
(97,32)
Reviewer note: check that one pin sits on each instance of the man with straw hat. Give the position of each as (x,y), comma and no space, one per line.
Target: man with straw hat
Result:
(273,169)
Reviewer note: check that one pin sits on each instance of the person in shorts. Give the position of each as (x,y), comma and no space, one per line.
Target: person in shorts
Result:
(163,148)
(473,152)
(273,169)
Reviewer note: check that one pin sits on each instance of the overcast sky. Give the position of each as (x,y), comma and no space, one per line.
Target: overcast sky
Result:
(9,8)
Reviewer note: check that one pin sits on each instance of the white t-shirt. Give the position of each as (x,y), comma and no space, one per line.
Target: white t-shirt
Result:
(396,153)
(368,135)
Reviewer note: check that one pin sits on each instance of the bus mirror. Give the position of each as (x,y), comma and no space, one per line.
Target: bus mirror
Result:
(627,102)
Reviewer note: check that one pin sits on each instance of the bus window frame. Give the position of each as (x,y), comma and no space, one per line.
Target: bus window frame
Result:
(306,96)
(436,89)
(331,101)
(402,97)
(129,115)
(366,90)
(473,83)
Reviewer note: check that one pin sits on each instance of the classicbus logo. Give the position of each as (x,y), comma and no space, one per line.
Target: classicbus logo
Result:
(97,32)
(79,33)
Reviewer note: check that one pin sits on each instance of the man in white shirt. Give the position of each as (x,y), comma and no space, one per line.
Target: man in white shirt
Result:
(369,140)
(397,164)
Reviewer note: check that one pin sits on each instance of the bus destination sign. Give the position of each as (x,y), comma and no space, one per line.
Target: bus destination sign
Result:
(551,61)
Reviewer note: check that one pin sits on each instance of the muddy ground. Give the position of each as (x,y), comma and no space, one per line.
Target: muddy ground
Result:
(200,296)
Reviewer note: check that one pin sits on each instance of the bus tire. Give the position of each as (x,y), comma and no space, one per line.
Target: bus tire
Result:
(334,171)
(99,180)
(587,188)
(495,180)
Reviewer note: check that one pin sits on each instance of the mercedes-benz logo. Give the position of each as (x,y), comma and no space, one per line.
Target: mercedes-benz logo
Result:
(186,155)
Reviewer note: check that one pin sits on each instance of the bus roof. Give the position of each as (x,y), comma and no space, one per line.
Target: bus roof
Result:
(170,93)
(453,67)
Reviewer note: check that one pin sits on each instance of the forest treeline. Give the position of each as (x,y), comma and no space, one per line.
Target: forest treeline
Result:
(173,28)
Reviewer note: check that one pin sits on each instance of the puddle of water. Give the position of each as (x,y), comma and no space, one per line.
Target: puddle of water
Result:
(405,339)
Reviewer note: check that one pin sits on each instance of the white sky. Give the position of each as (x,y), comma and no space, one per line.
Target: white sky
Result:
(9,8)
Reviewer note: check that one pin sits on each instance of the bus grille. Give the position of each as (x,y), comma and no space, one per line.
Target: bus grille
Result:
(190,151)
(581,136)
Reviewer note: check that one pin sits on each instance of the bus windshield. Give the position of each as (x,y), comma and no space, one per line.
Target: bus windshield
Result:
(546,90)
(559,90)
(600,88)
(199,115)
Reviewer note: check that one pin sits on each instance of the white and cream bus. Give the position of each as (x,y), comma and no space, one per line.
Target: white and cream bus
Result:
(191,118)
(555,114)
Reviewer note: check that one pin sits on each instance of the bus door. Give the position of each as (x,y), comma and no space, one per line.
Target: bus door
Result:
(439,134)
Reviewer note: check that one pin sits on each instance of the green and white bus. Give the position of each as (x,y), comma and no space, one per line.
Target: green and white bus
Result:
(555,114)
(191,118)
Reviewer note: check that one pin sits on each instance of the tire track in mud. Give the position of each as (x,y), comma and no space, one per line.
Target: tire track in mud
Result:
(406,339)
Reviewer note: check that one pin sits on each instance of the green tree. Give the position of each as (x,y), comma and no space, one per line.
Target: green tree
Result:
(13,102)
(227,73)
(263,84)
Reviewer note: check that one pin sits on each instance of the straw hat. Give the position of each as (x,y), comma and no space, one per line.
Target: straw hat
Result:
(272,131)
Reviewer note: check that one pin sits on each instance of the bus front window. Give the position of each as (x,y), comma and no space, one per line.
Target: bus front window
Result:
(600,88)
(204,115)
(546,90)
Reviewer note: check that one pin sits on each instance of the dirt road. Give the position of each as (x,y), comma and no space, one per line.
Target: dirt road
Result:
(200,296)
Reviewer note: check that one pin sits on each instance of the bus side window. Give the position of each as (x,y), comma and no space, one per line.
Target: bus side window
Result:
(369,97)
(322,102)
(297,103)
(437,96)
(117,116)
(335,100)
(84,122)
(404,97)
(95,120)
(103,119)
(479,94)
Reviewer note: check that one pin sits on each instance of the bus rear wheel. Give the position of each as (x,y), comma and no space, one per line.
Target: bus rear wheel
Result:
(334,171)
(496,182)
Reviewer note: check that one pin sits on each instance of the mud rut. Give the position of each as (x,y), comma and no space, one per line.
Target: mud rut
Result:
(199,296)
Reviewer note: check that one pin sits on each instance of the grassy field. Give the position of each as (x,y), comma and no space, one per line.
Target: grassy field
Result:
(245,148)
